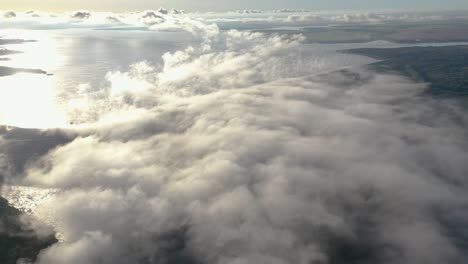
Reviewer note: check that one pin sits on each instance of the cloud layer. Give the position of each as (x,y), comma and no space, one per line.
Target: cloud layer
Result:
(239,151)
(161,19)
(173,20)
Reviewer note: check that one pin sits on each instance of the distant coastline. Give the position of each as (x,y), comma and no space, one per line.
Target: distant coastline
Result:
(404,33)
(7,71)
(444,68)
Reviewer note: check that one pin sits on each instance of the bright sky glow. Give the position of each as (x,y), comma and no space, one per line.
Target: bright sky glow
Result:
(216,5)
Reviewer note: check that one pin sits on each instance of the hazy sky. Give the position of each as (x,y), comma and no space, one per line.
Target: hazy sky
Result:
(204,5)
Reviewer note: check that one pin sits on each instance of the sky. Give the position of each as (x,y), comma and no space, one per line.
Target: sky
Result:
(223,5)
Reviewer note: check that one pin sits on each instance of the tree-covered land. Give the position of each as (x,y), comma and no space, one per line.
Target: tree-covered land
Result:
(444,68)
(17,239)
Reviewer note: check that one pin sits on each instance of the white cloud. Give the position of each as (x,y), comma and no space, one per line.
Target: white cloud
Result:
(9,14)
(307,18)
(245,159)
(176,20)
(161,20)
(239,151)
(81,15)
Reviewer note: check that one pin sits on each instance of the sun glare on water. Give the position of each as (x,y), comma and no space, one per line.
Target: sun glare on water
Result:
(29,100)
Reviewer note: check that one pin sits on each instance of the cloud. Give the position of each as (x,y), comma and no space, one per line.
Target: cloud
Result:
(243,150)
(245,167)
(93,244)
(163,11)
(4,168)
(250,11)
(160,20)
(279,18)
(80,15)
(285,10)
(305,18)
(380,18)
(288,10)
(177,20)
(113,19)
(366,17)
(21,146)
(9,14)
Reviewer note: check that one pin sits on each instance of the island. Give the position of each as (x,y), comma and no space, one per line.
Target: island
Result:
(6,71)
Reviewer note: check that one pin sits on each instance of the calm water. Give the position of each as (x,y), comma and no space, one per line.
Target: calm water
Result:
(74,57)
(84,56)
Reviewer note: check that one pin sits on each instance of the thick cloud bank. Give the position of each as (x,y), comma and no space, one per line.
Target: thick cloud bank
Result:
(238,151)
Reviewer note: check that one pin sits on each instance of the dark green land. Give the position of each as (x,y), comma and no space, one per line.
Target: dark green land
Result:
(448,31)
(444,68)
(17,239)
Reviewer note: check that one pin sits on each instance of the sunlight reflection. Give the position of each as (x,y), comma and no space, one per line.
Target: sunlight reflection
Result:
(28,101)
(39,54)
(33,201)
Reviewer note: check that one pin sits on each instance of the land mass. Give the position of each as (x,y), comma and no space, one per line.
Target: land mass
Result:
(4,52)
(4,41)
(444,68)
(6,71)
(17,239)
(418,32)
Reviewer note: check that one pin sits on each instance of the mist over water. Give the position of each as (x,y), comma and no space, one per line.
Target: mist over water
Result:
(239,147)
